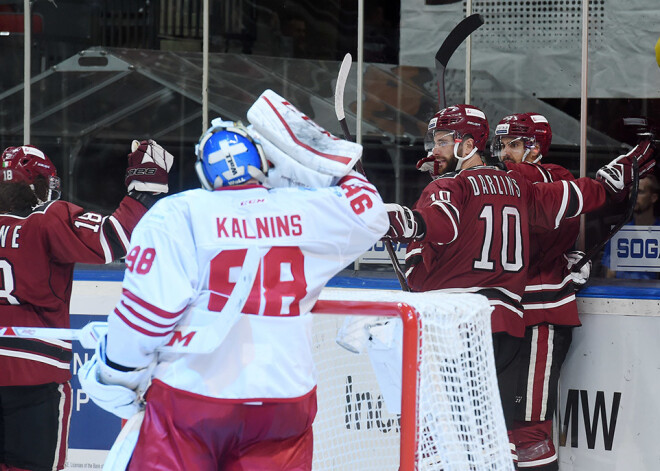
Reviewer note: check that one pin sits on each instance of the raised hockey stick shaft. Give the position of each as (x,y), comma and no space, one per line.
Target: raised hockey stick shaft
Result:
(341,117)
(455,38)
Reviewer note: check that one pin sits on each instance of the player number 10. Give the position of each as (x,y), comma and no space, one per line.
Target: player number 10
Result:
(511,256)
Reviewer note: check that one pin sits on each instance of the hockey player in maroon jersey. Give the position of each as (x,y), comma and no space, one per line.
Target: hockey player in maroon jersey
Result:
(521,141)
(41,239)
(469,230)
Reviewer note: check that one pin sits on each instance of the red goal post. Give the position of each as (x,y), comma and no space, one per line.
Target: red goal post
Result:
(410,343)
(451,416)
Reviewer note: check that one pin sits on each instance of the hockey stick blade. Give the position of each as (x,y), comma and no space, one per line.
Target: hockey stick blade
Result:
(342,77)
(461,31)
(88,336)
(595,250)
(344,70)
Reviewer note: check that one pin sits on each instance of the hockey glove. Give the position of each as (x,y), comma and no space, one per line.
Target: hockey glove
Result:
(118,392)
(354,334)
(148,167)
(581,277)
(405,224)
(617,176)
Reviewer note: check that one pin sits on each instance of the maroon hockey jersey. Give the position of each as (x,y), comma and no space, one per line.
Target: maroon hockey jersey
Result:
(478,230)
(37,256)
(549,294)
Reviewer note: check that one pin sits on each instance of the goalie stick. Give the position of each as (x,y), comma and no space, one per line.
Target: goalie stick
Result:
(342,77)
(455,38)
(593,251)
(184,338)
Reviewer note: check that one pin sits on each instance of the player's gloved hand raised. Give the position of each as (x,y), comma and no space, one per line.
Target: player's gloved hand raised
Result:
(580,277)
(148,167)
(617,176)
(405,224)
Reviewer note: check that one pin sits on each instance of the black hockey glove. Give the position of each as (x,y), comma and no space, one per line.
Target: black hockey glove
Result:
(405,224)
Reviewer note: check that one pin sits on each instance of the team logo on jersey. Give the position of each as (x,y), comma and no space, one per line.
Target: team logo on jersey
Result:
(179,338)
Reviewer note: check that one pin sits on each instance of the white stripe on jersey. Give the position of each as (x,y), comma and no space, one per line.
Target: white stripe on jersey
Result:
(579,197)
(561,302)
(544,174)
(441,205)
(497,302)
(546,373)
(474,289)
(34,357)
(107,253)
(564,205)
(60,408)
(413,252)
(65,344)
(120,232)
(544,287)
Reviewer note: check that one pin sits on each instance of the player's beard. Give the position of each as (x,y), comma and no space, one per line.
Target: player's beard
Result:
(446,165)
(508,158)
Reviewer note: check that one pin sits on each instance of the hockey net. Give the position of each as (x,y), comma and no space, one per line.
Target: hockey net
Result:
(451,415)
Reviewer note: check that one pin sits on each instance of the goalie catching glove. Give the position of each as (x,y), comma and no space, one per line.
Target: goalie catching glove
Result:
(617,176)
(116,391)
(281,124)
(286,171)
(405,224)
(148,167)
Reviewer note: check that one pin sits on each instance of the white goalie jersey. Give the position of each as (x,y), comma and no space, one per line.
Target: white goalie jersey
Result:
(189,253)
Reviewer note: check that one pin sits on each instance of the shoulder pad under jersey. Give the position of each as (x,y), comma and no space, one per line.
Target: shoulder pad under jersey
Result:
(448,174)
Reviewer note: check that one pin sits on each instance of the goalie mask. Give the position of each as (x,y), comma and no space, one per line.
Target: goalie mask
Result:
(227,155)
(454,124)
(26,164)
(524,131)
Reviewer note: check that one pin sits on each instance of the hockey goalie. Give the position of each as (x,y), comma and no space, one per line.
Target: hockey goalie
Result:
(243,260)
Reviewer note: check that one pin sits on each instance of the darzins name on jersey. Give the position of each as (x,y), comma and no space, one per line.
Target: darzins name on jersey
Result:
(494,185)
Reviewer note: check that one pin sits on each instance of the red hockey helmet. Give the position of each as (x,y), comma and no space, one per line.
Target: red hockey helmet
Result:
(527,125)
(462,120)
(25,164)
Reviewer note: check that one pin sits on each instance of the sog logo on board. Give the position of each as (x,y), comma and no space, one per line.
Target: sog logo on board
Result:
(594,416)
(637,248)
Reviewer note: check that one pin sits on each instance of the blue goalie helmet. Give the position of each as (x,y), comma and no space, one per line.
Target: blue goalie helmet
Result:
(227,155)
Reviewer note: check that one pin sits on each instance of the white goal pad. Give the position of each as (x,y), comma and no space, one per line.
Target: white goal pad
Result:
(451,415)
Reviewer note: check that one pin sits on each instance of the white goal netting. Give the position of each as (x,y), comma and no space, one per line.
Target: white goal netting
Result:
(456,404)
